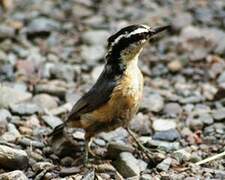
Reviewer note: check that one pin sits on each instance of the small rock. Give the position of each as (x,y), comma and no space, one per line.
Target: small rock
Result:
(182,20)
(163,124)
(175,66)
(42,25)
(172,109)
(95,37)
(219,114)
(10,96)
(24,109)
(195,124)
(66,171)
(13,175)
(182,155)
(12,134)
(6,31)
(164,165)
(45,101)
(115,148)
(91,54)
(79,135)
(152,102)
(141,124)
(127,165)
(67,161)
(164,145)
(4,115)
(55,88)
(40,166)
(13,158)
(52,121)
(168,135)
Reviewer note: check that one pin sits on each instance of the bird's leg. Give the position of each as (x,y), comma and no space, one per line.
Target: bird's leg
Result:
(141,146)
(86,160)
(89,147)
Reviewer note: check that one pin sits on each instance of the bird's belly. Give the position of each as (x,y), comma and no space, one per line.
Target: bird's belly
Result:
(121,107)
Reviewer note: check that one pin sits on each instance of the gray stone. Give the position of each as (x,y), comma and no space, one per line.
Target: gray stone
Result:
(164,165)
(182,20)
(6,31)
(181,155)
(13,158)
(10,96)
(169,135)
(127,165)
(221,78)
(115,148)
(141,124)
(42,24)
(52,121)
(163,124)
(95,37)
(152,101)
(219,114)
(55,88)
(45,101)
(12,134)
(24,109)
(91,54)
(4,115)
(13,175)
(40,166)
(163,145)
(172,109)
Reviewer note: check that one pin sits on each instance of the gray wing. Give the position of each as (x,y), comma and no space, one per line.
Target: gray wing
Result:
(97,96)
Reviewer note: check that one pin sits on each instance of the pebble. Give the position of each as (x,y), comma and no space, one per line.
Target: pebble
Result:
(219,114)
(172,109)
(92,54)
(12,158)
(6,32)
(163,145)
(24,109)
(127,165)
(66,171)
(10,96)
(52,121)
(53,88)
(40,166)
(163,124)
(182,20)
(4,115)
(168,135)
(67,161)
(45,101)
(12,134)
(115,148)
(175,66)
(30,143)
(164,165)
(13,175)
(152,102)
(42,25)
(181,155)
(95,37)
(141,124)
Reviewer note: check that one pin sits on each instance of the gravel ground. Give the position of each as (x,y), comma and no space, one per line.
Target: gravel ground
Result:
(52,51)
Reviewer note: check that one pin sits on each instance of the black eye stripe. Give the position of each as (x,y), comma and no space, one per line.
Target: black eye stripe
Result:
(124,42)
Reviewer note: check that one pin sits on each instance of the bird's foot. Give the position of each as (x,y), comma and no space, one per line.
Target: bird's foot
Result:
(145,150)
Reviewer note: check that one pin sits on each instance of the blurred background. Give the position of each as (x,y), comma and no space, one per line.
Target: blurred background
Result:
(52,51)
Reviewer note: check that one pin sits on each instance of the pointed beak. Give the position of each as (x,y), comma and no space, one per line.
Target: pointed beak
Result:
(157,30)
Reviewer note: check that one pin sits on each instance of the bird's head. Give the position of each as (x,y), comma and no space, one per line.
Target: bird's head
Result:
(129,41)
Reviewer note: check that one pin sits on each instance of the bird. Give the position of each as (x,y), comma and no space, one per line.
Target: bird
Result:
(115,97)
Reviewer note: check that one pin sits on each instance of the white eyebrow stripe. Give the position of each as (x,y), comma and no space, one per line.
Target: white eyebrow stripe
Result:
(138,31)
